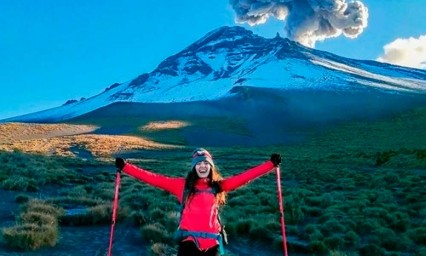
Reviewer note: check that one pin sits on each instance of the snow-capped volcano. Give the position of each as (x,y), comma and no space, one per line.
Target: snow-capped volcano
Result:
(233,57)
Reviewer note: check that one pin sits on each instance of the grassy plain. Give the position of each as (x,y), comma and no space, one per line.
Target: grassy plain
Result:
(355,189)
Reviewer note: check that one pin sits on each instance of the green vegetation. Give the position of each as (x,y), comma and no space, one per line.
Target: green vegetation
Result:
(37,226)
(357,189)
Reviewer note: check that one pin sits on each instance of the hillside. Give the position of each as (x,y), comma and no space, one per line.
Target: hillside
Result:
(357,187)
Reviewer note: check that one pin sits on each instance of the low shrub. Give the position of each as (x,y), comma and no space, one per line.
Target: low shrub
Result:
(294,213)
(331,213)
(261,233)
(314,211)
(172,221)
(365,226)
(314,233)
(334,242)
(21,198)
(391,178)
(337,253)
(139,217)
(102,213)
(156,214)
(399,221)
(99,214)
(244,226)
(155,233)
(372,249)
(69,202)
(77,191)
(418,235)
(37,226)
(40,206)
(317,247)
(20,183)
(421,251)
(160,249)
(38,218)
(332,226)
(383,157)
(388,239)
(31,236)
(420,153)
(352,238)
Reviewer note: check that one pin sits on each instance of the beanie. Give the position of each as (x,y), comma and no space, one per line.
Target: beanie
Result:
(200,154)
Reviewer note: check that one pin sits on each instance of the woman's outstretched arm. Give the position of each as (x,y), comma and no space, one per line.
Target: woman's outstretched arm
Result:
(236,181)
(172,185)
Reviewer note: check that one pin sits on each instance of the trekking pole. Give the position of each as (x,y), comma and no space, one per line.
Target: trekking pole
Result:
(280,202)
(114,210)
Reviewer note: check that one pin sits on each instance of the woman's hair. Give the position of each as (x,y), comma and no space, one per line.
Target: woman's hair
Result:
(214,180)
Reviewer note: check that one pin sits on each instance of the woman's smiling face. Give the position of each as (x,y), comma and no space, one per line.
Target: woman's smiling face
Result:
(203,169)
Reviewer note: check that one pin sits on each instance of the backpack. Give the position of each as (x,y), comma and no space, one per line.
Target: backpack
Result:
(222,237)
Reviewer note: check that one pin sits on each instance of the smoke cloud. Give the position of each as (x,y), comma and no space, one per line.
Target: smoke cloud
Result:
(409,52)
(306,21)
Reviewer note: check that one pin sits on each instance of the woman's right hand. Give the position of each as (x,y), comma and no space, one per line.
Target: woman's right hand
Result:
(276,159)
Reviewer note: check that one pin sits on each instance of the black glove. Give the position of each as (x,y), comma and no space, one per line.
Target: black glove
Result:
(119,163)
(276,159)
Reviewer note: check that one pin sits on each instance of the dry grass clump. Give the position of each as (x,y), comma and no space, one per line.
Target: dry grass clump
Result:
(99,214)
(10,132)
(98,145)
(30,236)
(36,227)
(164,125)
(20,183)
(41,206)
(60,139)
(155,233)
(104,145)
(160,249)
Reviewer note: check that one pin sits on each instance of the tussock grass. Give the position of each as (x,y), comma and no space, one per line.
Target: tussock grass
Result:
(36,227)
(97,145)
(60,139)
(356,189)
(164,125)
(72,202)
(38,218)
(20,183)
(41,206)
(154,233)
(30,236)
(159,249)
(99,214)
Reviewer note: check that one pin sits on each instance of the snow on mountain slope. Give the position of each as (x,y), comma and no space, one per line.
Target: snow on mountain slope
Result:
(231,56)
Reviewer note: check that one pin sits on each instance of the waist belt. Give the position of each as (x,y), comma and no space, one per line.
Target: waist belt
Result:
(180,234)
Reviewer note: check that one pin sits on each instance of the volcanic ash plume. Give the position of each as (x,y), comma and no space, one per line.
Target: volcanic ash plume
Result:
(306,21)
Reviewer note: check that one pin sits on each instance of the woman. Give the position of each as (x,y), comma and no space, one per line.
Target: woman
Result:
(200,193)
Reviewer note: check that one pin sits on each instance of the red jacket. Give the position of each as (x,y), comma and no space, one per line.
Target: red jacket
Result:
(200,214)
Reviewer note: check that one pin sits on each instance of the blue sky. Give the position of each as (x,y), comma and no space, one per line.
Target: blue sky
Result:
(52,51)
